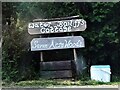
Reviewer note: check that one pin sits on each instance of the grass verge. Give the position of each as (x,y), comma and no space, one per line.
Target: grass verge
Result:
(52,83)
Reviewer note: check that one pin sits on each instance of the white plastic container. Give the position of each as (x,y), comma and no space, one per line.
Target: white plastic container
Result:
(100,73)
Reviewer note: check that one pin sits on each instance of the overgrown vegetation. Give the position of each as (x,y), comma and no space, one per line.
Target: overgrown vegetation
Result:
(102,36)
(56,83)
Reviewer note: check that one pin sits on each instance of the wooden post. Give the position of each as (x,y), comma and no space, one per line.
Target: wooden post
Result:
(41,54)
(75,63)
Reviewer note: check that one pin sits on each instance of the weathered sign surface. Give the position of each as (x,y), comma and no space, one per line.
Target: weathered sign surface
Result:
(56,74)
(38,44)
(55,65)
(57,26)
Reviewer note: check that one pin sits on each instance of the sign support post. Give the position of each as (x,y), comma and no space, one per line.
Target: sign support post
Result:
(41,54)
(75,59)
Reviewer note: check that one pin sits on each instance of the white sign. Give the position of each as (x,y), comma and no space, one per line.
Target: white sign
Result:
(57,26)
(38,44)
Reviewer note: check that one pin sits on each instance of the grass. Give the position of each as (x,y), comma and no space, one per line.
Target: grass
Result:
(52,83)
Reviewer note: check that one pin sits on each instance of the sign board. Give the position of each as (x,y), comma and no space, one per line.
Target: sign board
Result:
(57,26)
(38,44)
